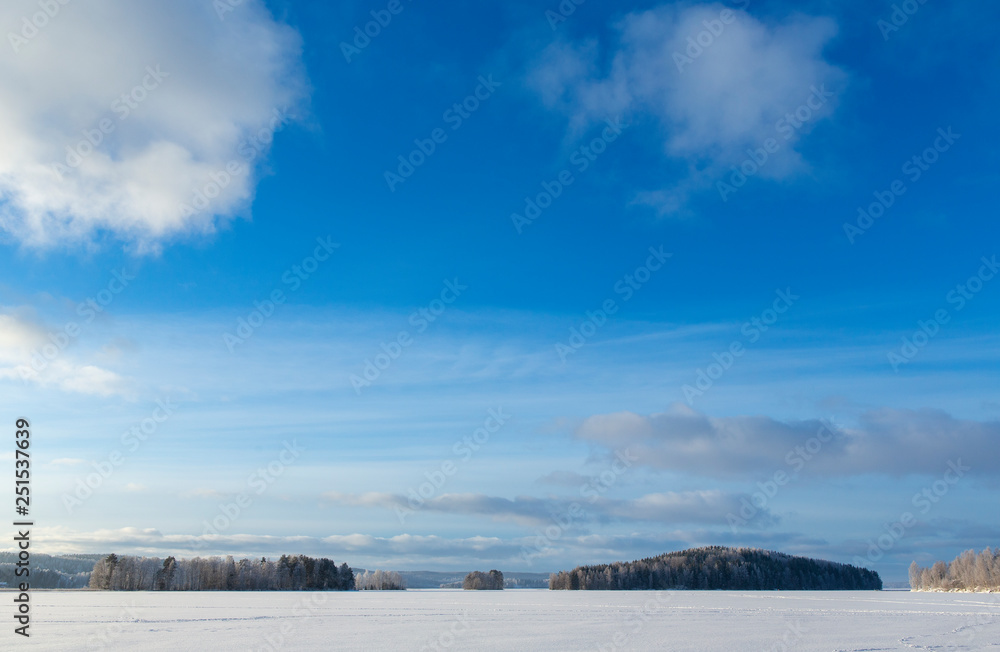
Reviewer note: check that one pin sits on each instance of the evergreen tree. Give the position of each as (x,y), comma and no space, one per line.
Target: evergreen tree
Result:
(716,567)
(297,572)
(346,578)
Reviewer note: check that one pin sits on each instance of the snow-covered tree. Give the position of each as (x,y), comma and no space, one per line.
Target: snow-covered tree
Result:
(716,567)
(380,581)
(967,572)
(479,581)
(296,572)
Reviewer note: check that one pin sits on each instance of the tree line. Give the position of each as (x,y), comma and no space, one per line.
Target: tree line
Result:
(967,572)
(43,578)
(288,573)
(717,567)
(380,580)
(47,571)
(480,581)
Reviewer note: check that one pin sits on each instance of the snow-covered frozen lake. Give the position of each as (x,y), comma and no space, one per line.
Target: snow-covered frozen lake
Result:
(509,620)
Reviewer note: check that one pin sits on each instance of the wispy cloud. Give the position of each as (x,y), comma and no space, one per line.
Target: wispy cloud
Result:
(68,461)
(360,547)
(668,508)
(712,80)
(29,354)
(884,441)
(411,551)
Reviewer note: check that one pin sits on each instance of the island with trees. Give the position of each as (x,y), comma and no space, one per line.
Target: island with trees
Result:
(379,580)
(480,581)
(288,573)
(717,567)
(967,572)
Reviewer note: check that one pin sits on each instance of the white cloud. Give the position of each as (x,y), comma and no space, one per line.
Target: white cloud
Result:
(708,102)
(28,354)
(68,461)
(672,507)
(18,337)
(195,87)
(884,441)
(361,548)
(211,494)
(408,551)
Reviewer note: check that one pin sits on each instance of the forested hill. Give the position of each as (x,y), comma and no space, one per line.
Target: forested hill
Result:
(716,567)
(47,571)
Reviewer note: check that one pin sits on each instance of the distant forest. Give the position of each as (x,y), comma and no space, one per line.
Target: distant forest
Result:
(289,573)
(48,572)
(967,572)
(717,567)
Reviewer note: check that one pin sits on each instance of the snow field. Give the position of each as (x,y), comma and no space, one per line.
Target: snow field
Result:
(442,619)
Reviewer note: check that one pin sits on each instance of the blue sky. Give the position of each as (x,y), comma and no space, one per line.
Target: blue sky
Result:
(243,170)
